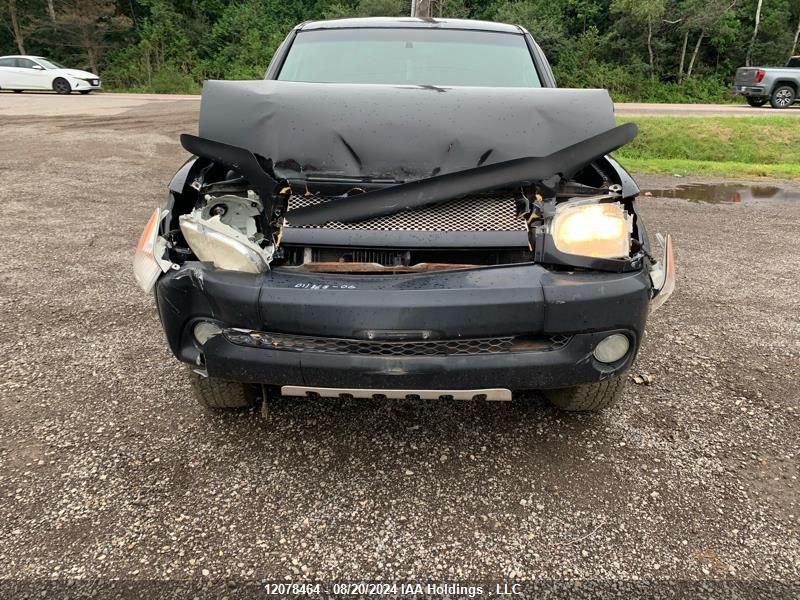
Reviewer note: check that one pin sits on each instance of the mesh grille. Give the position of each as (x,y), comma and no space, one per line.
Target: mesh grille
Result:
(477,212)
(496,345)
(383,348)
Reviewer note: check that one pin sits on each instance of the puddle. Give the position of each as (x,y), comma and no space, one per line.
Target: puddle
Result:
(726,193)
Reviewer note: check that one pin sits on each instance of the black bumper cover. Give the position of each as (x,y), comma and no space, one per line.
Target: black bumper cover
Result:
(485,302)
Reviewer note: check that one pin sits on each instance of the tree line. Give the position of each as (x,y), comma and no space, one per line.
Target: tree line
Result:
(656,50)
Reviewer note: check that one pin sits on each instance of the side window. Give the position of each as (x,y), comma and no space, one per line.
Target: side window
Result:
(8,62)
(25,63)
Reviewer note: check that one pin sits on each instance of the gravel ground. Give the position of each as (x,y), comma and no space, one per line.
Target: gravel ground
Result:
(109,470)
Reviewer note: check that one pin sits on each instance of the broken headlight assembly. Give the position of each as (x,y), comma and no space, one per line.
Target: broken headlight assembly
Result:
(213,241)
(224,232)
(597,230)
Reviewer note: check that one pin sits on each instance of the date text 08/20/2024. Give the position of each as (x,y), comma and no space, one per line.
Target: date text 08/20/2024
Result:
(393,589)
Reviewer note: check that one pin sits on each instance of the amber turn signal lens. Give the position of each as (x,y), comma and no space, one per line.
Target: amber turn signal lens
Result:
(146,268)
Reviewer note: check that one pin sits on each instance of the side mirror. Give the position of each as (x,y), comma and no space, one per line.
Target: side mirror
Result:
(38,67)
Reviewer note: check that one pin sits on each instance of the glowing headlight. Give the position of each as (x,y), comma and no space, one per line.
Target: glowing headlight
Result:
(213,241)
(597,230)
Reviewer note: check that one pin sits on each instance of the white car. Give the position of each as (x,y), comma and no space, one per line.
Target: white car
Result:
(20,73)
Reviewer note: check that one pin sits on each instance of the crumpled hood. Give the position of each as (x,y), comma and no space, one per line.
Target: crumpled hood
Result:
(77,73)
(397,133)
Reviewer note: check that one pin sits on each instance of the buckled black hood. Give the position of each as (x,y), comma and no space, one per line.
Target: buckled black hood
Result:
(396,133)
(428,144)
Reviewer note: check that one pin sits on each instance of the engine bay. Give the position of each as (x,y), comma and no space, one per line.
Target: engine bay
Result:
(220,218)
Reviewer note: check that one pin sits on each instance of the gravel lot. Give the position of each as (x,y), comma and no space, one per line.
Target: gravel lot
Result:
(108,469)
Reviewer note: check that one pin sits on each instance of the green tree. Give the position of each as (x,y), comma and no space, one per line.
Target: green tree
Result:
(244,39)
(382,8)
(165,56)
(88,25)
(775,39)
(543,18)
(649,49)
(21,18)
(647,13)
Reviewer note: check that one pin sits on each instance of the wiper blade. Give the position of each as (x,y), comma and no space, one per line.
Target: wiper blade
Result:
(424,192)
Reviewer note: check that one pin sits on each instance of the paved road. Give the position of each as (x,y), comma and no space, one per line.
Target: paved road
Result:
(108,468)
(106,104)
(700,110)
(98,105)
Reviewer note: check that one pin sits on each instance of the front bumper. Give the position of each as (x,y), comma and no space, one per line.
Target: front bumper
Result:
(571,365)
(513,300)
(82,85)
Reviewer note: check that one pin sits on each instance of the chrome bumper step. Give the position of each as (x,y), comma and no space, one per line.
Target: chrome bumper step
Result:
(495,394)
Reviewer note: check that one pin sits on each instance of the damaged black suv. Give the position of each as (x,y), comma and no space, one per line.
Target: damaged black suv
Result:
(404,208)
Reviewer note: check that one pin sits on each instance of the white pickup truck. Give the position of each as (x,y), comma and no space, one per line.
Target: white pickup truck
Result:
(780,86)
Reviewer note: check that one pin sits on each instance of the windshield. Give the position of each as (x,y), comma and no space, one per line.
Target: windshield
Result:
(49,64)
(410,57)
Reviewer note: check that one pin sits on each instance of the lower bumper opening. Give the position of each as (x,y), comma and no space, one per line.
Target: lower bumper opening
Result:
(416,343)
(466,376)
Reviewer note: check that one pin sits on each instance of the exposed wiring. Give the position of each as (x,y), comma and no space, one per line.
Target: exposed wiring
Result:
(640,247)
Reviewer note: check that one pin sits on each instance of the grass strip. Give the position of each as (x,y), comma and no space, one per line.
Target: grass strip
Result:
(715,146)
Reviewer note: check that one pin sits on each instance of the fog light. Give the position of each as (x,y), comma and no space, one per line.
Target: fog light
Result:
(612,348)
(204,331)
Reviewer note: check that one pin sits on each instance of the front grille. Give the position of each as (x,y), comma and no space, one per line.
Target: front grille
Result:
(477,212)
(453,347)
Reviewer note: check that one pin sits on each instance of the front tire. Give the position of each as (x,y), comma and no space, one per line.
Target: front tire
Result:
(17,91)
(782,97)
(62,86)
(220,394)
(591,397)
(756,102)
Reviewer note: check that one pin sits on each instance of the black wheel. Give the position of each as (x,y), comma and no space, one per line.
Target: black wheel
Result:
(61,86)
(17,91)
(753,101)
(782,96)
(219,393)
(84,92)
(589,397)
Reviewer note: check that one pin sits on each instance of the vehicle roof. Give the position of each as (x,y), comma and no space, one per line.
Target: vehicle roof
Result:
(21,56)
(409,22)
